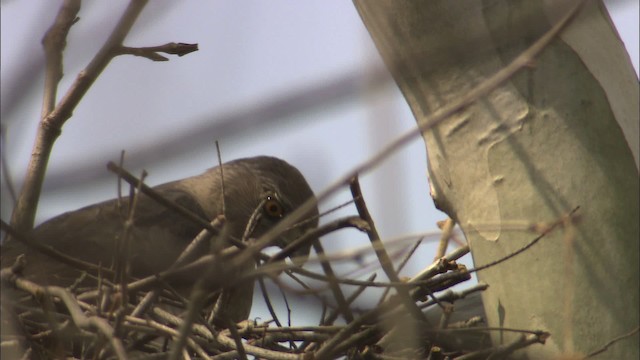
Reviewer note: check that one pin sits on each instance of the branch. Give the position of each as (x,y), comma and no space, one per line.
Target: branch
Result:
(151,52)
(51,123)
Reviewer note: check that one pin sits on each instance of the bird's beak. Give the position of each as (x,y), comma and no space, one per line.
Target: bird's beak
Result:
(300,256)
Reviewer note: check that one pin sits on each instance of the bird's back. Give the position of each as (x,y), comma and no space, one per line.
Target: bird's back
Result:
(91,234)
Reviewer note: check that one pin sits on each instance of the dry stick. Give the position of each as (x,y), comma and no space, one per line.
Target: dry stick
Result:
(334,314)
(199,292)
(337,342)
(333,284)
(523,341)
(438,267)
(196,302)
(261,330)
(381,253)
(292,345)
(447,229)
(342,223)
(428,282)
(400,267)
(325,213)
(196,266)
(123,244)
(123,266)
(569,217)
(170,332)
(348,256)
(532,337)
(613,341)
(151,52)
(186,254)
(224,207)
(242,354)
(569,284)
(223,340)
(51,124)
(54,43)
(267,301)
(482,89)
(119,184)
(366,266)
(198,296)
(83,322)
(186,213)
(452,296)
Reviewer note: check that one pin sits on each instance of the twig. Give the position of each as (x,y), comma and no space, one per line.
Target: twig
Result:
(153,194)
(54,42)
(220,167)
(333,284)
(402,264)
(547,229)
(51,124)
(151,52)
(500,352)
(331,318)
(342,223)
(447,229)
(242,354)
(606,346)
(195,304)
(381,253)
(441,264)
(267,301)
(91,323)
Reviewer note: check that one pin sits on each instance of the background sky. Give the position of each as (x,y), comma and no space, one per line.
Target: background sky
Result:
(282,78)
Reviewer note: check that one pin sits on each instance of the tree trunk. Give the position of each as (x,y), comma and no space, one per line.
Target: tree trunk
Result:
(561,133)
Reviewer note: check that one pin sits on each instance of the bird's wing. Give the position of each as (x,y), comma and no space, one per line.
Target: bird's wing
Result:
(157,238)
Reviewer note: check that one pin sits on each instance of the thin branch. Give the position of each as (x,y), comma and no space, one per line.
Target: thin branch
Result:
(54,42)
(401,266)
(267,301)
(342,223)
(606,346)
(151,52)
(380,251)
(571,217)
(447,231)
(333,283)
(331,318)
(50,128)
(220,167)
(91,323)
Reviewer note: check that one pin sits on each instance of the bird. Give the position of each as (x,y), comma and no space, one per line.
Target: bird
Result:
(265,188)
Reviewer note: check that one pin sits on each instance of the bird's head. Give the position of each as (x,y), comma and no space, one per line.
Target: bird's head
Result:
(259,193)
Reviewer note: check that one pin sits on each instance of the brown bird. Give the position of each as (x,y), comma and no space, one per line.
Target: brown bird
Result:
(264,187)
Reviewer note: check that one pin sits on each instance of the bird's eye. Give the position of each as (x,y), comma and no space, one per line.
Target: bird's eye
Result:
(273,208)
